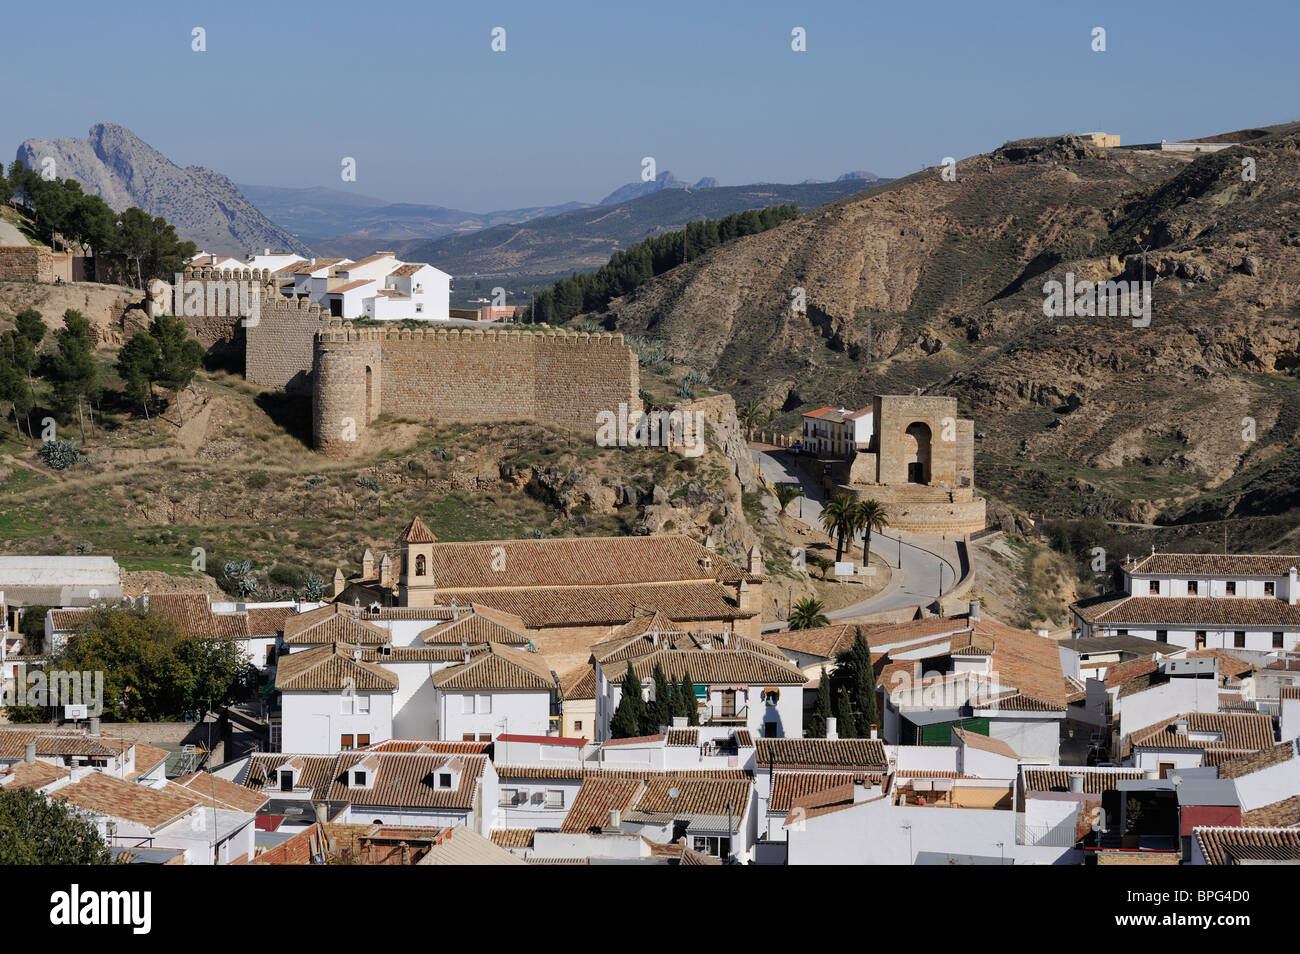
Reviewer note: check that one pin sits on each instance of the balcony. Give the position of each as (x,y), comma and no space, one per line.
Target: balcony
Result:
(724,714)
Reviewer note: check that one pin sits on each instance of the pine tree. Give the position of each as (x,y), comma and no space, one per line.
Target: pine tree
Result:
(688,700)
(179,356)
(822,710)
(854,672)
(631,712)
(72,367)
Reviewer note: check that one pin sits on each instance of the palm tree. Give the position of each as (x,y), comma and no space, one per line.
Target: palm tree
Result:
(751,413)
(870,517)
(785,493)
(807,613)
(837,519)
(822,563)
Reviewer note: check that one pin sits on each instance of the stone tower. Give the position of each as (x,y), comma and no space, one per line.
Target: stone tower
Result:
(416,583)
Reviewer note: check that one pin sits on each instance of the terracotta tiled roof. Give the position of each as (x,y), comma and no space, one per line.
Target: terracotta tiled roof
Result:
(1215,564)
(400,780)
(1027,661)
(416,532)
(331,669)
(985,744)
(428,747)
(13,743)
(636,740)
(788,786)
(225,792)
(1283,814)
(579,684)
(1095,781)
(1217,844)
(406,270)
(105,795)
(480,625)
(714,666)
(1201,612)
(677,797)
(1241,733)
(147,758)
(352,286)
(821,753)
(36,775)
(514,837)
(1264,758)
(824,641)
(192,612)
(579,561)
(66,619)
(1288,692)
(684,737)
(596,798)
(1229,665)
(1091,608)
(692,857)
(333,623)
(268,620)
(1121,673)
(501,667)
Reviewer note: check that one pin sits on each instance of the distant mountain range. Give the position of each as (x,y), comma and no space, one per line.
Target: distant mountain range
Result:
(124,170)
(220,216)
(585,238)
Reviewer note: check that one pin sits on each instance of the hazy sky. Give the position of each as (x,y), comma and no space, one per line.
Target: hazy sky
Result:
(414,92)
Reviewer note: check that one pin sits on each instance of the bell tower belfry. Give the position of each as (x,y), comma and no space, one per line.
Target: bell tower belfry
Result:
(416,584)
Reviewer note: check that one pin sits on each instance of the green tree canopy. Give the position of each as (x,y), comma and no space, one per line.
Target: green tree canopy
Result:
(35,830)
(855,674)
(816,728)
(808,613)
(72,369)
(179,355)
(659,712)
(630,715)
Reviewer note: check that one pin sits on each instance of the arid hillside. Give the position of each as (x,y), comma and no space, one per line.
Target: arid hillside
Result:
(939,285)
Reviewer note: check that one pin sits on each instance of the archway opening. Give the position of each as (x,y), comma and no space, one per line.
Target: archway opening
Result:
(916,452)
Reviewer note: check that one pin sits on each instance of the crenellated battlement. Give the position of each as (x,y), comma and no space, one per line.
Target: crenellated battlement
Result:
(468,375)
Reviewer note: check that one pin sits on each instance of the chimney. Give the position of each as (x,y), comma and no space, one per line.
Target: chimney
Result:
(1076,782)
(29,753)
(340,584)
(974,611)
(832,728)
(367,564)
(755,560)
(742,595)
(1291,588)
(94,725)
(615,819)
(386,571)
(874,733)
(1180,727)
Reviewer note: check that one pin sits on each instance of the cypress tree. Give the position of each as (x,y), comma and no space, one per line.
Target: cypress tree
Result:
(660,712)
(631,712)
(688,700)
(843,715)
(822,710)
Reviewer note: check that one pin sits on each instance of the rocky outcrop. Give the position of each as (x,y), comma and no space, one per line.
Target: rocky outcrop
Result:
(204,206)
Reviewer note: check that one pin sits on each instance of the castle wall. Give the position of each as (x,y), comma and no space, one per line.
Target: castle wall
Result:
(965,452)
(466,376)
(279,349)
(26,263)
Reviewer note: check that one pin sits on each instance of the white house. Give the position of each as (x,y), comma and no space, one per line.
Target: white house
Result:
(333,701)
(413,290)
(837,432)
(1195,739)
(1202,601)
(501,690)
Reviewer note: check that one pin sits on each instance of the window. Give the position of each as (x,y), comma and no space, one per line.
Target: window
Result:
(466,704)
(419,565)
(348,704)
(1277,641)
(444,780)
(1153,588)
(508,796)
(359,778)
(345,742)
(1268,587)
(363,705)
(1239,639)
(1192,587)
(286,781)
(363,740)
(1121,632)
(468,737)
(1230,588)
(712,845)
(418,308)
(1200,639)
(1162,635)
(555,798)
(577,723)
(484,704)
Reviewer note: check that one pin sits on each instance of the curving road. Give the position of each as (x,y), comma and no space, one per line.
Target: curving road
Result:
(925,574)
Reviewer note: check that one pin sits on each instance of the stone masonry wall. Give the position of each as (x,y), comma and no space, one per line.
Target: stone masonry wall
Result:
(26,263)
(438,374)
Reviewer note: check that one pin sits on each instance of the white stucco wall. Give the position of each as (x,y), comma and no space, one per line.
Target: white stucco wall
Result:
(312,722)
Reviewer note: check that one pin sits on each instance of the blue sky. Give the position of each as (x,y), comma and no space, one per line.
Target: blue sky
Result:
(584,90)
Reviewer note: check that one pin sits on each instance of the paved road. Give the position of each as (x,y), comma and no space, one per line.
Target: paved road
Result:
(922,574)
